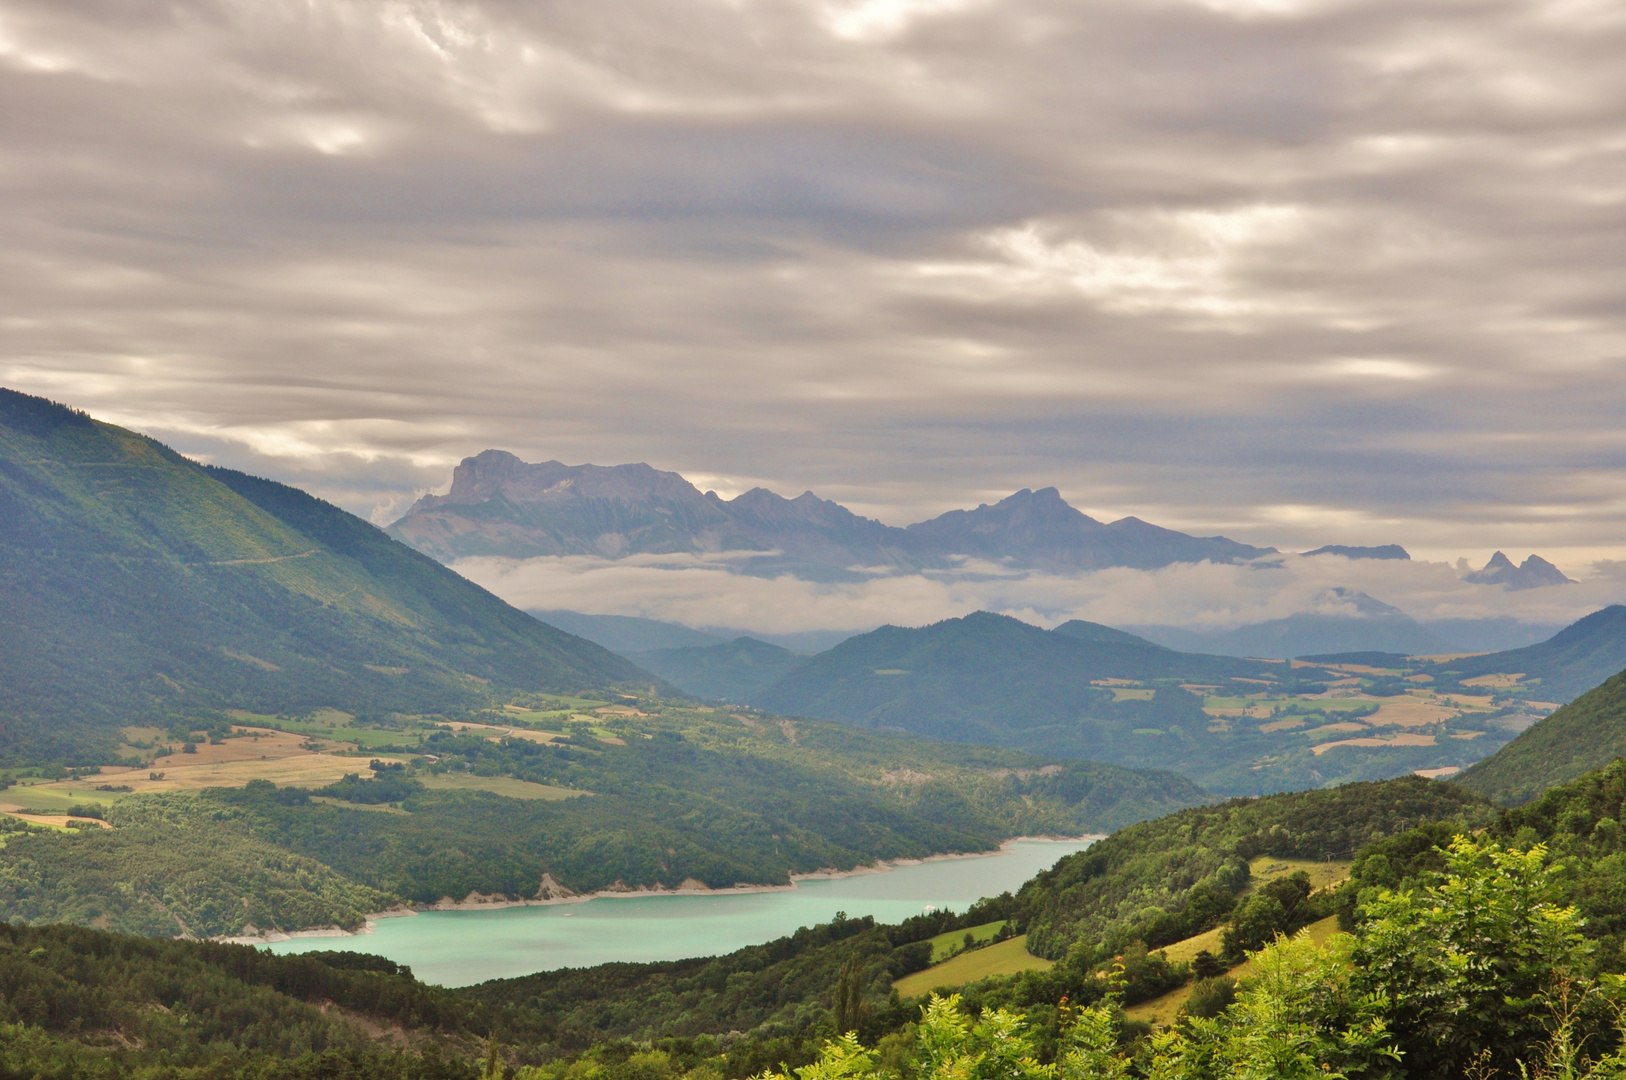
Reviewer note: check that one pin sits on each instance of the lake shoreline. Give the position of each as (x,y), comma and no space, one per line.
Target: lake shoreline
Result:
(478,902)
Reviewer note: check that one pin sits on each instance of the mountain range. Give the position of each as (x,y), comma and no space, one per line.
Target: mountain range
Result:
(1093,692)
(629,634)
(1361,624)
(499,505)
(1383,551)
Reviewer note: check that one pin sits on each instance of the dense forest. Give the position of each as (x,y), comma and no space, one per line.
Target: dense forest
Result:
(1588,733)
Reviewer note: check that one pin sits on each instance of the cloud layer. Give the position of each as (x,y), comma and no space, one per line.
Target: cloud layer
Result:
(703,591)
(1301,271)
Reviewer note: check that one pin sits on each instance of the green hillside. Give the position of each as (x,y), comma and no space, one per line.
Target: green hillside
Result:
(984,678)
(1238,727)
(1566,665)
(1080,630)
(663,793)
(1586,734)
(142,588)
(1164,880)
(737,670)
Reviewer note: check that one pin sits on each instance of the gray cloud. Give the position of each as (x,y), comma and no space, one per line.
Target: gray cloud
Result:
(702,591)
(1298,271)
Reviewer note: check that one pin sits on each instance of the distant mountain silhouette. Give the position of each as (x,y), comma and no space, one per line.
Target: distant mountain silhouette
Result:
(500,505)
(1534,573)
(734,671)
(1385,551)
(629,634)
(1370,626)
(1039,529)
(1496,634)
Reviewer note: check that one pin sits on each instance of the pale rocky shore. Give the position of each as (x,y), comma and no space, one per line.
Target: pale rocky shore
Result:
(550,893)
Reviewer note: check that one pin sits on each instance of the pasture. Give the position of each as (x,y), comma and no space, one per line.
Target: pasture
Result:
(1408,738)
(498,785)
(1164,1011)
(1006,958)
(948,944)
(282,757)
(1267,868)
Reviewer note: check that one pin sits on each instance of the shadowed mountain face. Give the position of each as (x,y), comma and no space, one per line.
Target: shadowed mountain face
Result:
(1586,734)
(500,505)
(629,634)
(1384,551)
(1367,625)
(1039,529)
(1534,573)
(1080,690)
(141,587)
(733,671)
(1571,662)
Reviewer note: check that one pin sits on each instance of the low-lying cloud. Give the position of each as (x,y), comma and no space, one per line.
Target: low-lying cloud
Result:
(703,591)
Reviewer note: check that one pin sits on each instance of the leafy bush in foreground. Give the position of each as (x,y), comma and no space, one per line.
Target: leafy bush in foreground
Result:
(1478,972)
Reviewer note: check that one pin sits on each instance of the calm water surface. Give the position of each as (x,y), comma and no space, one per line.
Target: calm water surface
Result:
(455,948)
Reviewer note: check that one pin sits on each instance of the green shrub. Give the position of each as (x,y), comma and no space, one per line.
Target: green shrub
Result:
(1210,997)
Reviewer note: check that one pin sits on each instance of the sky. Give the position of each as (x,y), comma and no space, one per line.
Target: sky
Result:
(1295,271)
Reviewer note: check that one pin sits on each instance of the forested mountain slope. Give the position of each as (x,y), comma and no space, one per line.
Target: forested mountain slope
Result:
(290,719)
(735,670)
(207,1010)
(140,587)
(1082,690)
(1566,665)
(985,678)
(1586,734)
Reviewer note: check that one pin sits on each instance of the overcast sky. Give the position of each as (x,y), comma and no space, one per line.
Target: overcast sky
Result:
(1298,272)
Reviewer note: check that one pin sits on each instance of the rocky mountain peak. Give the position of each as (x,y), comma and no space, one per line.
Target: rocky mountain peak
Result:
(1534,573)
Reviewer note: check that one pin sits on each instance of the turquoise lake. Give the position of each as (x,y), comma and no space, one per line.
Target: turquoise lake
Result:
(456,948)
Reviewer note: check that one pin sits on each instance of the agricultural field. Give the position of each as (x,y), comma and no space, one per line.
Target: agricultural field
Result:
(1006,958)
(506,786)
(1332,722)
(310,751)
(1164,1011)
(953,942)
(248,753)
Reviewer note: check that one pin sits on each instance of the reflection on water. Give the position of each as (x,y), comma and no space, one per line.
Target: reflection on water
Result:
(455,948)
